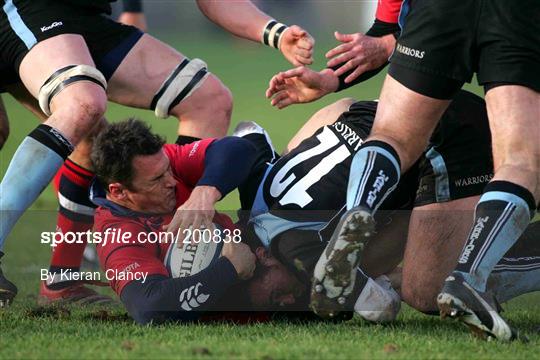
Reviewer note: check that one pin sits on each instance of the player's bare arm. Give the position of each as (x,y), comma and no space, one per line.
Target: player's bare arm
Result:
(244,19)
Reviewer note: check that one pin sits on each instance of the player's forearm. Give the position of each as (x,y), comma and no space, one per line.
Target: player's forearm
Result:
(240,17)
(227,163)
(161,298)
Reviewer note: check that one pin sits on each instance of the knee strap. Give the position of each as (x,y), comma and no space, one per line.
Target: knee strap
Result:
(63,78)
(183,80)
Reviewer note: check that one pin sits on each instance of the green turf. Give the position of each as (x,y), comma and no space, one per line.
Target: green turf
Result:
(81,334)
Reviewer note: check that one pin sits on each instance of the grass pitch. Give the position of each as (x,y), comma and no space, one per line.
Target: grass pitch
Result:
(92,333)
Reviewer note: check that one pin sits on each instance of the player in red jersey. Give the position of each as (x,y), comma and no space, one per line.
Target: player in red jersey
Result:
(141,183)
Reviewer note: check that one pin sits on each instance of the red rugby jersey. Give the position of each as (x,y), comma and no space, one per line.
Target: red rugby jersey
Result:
(187,163)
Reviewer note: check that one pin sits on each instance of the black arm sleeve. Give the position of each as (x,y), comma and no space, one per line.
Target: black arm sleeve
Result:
(161,298)
(133,6)
(378,29)
(227,163)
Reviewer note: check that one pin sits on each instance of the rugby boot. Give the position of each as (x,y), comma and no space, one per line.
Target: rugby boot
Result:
(335,274)
(479,311)
(8,290)
(74,293)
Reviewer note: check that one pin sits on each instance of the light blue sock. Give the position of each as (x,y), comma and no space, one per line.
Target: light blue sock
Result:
(507,283)
(502,215)
(375,172)
(31,169)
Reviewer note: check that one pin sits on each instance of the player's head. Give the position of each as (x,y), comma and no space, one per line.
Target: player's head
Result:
(273,285)
(130,162)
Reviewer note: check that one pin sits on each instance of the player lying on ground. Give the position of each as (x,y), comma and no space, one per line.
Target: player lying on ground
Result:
(142,182)
(99,59)
(442,188)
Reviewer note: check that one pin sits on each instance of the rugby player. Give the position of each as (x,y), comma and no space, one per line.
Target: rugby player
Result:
(440,47)
(303,193)
(142,182)
(53,45)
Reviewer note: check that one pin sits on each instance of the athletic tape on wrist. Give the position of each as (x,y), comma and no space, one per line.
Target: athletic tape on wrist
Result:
(272,33)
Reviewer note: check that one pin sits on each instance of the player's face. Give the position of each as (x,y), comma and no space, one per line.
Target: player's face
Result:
(274,286)
(153,189)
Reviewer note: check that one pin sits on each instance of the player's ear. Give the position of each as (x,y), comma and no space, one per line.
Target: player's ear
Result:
(117,191)
(262,255)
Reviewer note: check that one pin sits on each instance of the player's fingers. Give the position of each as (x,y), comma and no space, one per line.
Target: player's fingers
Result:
(303,61)
(285,102)
(303,53)
(297,31)
(297,71)
(273,85)
(279,97)
(356,73)
(350,65)
(340,49)
(341,59)
(343,37)
(306,43)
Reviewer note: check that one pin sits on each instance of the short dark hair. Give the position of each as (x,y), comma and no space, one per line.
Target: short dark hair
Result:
(116,146)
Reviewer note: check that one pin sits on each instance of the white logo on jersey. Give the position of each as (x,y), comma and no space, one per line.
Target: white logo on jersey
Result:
(480,224)
(410,52)
(377,186)
(190,298)
(194,149)
(52,26)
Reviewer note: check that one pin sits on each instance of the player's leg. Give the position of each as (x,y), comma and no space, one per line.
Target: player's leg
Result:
(72,183)
(518,272)
(506,59)
(421,81)
(325,116)
(436,234)
(73,112)
(154,75)
(509,201)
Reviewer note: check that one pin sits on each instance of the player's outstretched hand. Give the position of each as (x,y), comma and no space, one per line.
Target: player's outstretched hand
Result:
(300,85)
(297,46)
(196,213)
(360,53)
(241,257)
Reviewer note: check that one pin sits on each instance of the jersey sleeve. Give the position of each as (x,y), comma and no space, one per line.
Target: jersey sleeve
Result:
(187,161)
(388,10)
(128,259)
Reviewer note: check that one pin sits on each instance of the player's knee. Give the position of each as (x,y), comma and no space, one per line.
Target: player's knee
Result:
(84,108)
(218,96)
